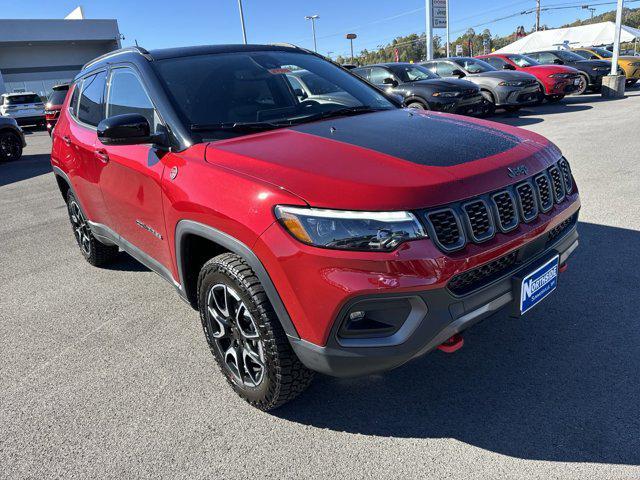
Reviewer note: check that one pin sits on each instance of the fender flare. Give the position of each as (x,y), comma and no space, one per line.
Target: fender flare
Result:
(415,98)
(190,227)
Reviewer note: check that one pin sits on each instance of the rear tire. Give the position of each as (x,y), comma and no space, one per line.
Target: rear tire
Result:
(10,147)
(245,335)
(94,252)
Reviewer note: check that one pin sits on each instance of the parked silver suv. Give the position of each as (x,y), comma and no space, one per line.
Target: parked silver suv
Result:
(504,89)
(26,108)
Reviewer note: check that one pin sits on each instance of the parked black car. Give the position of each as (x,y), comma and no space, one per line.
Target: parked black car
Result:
(591,71)
(423,89)
(11,139)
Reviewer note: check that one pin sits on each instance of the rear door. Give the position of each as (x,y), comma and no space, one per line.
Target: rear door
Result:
(131,181)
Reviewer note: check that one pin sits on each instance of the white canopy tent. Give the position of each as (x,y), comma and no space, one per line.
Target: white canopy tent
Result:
(584,36)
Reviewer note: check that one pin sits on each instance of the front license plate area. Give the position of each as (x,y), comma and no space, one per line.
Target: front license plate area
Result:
(536,285)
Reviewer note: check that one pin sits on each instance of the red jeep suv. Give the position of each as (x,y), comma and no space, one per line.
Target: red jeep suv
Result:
(343,235)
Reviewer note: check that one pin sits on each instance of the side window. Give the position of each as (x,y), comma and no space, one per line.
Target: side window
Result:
(91,105)
(73,103)
(363,73)
(378,75)
(584,54)
(431,66)
(127,95)
(445,69)
(545,57)
(496,62)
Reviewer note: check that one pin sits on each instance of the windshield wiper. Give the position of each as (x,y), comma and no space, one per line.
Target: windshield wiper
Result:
(236,126)
(341,112)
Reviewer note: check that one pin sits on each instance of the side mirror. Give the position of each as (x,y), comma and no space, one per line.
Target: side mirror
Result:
(300,93)
(557,61)
(127,129)
(508,66)
(458,73)
(390,81)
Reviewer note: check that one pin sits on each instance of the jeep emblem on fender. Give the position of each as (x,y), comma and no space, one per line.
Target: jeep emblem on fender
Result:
(173,173)
(516,171)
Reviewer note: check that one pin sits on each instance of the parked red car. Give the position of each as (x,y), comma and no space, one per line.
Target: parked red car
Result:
(54,105)
(556,80)
(310,236)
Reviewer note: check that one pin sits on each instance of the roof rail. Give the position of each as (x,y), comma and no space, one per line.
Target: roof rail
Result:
(285,44)
(113,53)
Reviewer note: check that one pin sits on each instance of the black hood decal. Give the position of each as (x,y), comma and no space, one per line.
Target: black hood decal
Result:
(426,139)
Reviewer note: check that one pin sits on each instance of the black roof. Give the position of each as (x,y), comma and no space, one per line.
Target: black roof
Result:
(130,53)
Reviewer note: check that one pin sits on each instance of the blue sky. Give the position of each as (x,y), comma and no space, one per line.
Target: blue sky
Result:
(163,23)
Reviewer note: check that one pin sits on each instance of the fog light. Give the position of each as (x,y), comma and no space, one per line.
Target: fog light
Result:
(375,318)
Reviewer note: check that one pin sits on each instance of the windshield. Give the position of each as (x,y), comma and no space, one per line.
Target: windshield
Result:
(57,97)
(228,94)
(20,99)
(522,61)
(412,73)
(568,56)
(317,85)
(473,65)
(603,52)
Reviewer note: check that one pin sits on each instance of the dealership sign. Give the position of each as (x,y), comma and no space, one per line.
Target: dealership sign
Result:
(439,13)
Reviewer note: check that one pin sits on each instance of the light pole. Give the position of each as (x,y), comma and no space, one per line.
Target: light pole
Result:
(537,15)
(428,33)
(447,6)
(616,39)
(313,19)
(350,37)
(244,32)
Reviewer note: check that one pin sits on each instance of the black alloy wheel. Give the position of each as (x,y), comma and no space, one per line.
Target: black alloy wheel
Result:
(10,146)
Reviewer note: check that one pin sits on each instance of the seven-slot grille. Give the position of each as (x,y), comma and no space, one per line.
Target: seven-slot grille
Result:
(505,207)
(478,219)
(480,222)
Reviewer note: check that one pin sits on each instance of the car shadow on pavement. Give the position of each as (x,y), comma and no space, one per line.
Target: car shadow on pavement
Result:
(28,166)
(560,384)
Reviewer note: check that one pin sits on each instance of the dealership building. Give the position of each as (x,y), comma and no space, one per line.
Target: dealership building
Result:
(35,55)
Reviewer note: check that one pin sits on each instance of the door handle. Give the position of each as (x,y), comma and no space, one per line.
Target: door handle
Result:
(102,156)
(67,140)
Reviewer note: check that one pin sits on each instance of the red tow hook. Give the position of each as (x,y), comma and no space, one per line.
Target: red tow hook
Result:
(563,267)
(453,344)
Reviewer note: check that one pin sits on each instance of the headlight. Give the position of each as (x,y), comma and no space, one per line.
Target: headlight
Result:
(347,230)
(561,75)
(511,84)
(445,94)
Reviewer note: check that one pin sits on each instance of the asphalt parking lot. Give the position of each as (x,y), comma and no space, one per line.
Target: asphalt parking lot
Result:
(105,372)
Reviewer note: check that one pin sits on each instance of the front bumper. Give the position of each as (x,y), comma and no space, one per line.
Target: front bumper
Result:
(436,315)
(512,96)
(463,105)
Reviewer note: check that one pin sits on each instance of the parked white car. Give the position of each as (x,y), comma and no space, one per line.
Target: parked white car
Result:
(26,108)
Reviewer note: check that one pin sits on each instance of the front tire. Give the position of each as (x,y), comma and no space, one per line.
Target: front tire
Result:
(554,98)
(94,252)
(488,104)
(10,147)
(245,335)
(583,85)
(417,105)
